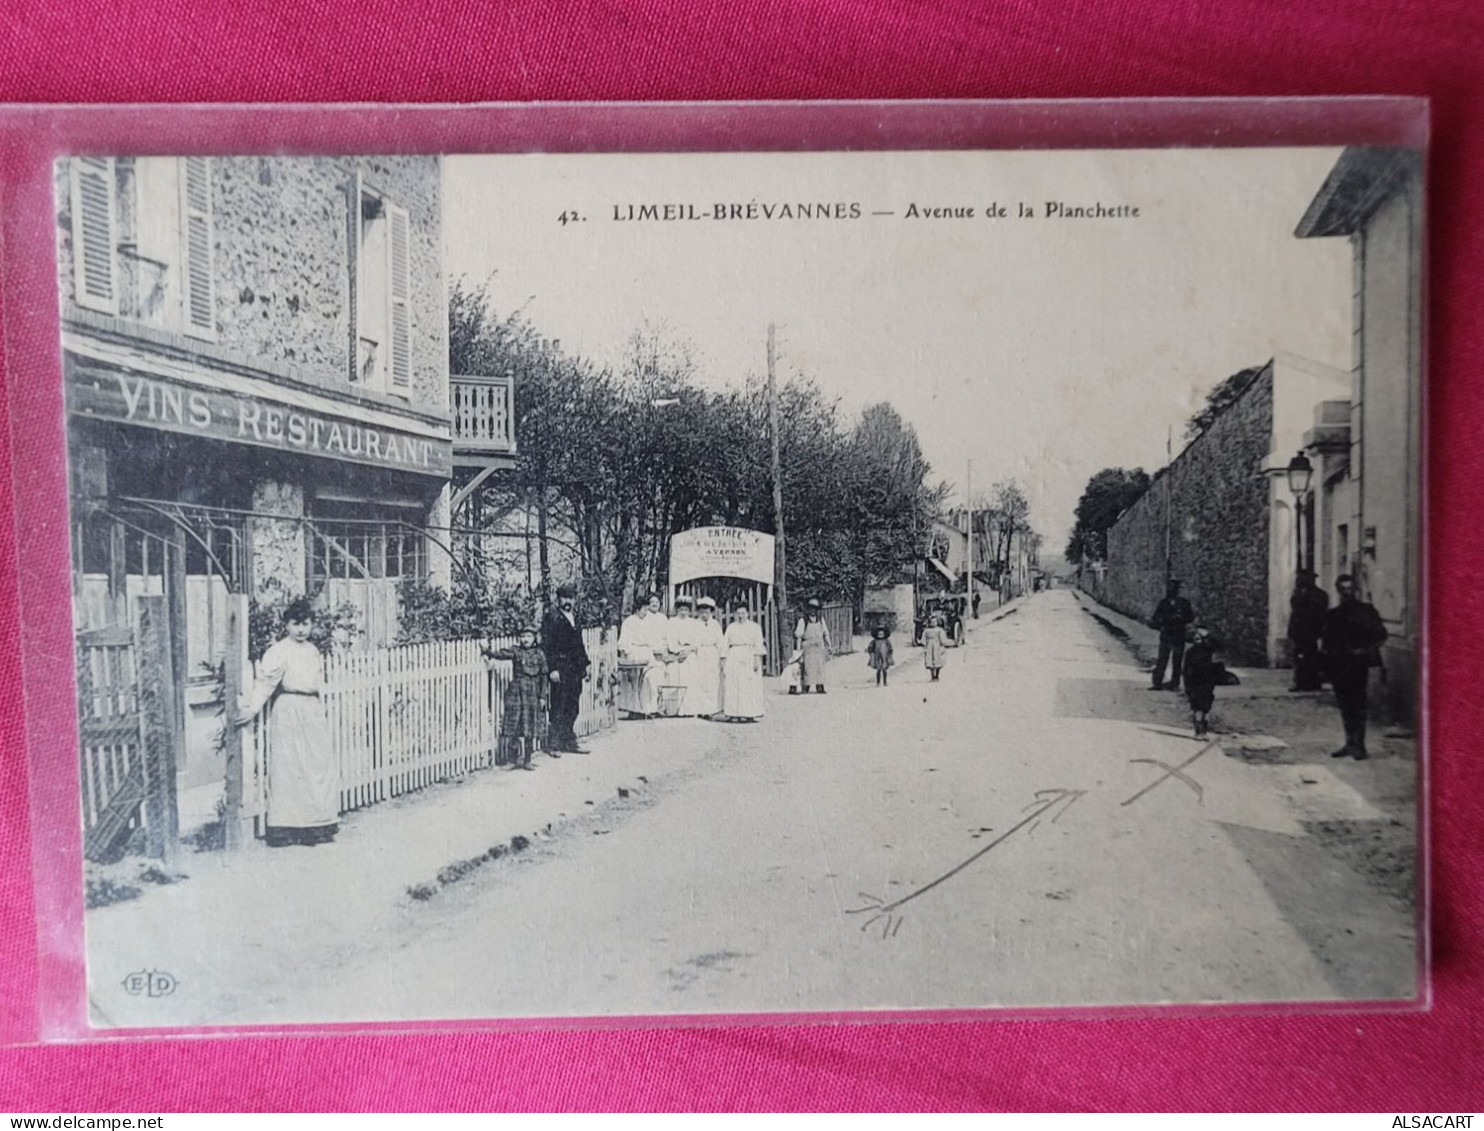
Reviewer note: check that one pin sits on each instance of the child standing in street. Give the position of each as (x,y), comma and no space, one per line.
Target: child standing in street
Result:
(1201,675)
(935,645)
(879,655)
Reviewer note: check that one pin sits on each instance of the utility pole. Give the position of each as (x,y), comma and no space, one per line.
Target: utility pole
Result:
(545,361)
(780,555)
(1169,502)
(969,492)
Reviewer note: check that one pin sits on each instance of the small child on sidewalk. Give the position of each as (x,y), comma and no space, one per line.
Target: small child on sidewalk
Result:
(879,654)
(1202,673)
(793,671)
(523,721)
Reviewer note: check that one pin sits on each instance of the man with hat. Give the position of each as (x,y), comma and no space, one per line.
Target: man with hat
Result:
(1172,616)
(1307,609)
(812,638)
(561,640)
(1353,634)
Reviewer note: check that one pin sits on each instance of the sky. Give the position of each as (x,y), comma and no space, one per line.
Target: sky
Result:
(1040,348)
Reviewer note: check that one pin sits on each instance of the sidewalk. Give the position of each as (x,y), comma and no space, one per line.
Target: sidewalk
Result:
(386,861)
(1307,727)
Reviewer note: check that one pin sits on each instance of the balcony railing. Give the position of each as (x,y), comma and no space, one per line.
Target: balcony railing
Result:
(483,415)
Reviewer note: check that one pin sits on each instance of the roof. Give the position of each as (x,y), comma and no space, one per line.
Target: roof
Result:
(1362,179)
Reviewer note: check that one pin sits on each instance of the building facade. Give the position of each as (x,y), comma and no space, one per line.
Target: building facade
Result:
(256,372)
(1373,461)
(1306,394)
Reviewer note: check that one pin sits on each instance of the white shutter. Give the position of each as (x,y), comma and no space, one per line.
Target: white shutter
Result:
(197,284)
(94,235)
(400,362)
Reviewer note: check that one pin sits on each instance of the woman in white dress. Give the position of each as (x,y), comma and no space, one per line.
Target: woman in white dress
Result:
(303,775)
(705,682)
(680,672)
(742,693)
(643,641)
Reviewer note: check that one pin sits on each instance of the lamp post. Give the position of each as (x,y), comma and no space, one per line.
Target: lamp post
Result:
(1300,475)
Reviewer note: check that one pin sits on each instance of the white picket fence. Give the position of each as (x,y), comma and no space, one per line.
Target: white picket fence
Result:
(405,717)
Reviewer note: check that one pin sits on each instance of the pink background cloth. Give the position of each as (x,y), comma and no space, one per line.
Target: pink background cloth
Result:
(227,50)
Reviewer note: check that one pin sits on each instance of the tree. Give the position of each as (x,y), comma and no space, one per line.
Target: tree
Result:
(617,461)
(1011,510)
(1219,399)
(1109,493)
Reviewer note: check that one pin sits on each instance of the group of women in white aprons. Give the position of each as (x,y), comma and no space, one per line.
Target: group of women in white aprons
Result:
(711,672)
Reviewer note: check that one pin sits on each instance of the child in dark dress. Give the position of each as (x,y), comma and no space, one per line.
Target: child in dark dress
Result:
(1201,675)
(879,654)
(523,722)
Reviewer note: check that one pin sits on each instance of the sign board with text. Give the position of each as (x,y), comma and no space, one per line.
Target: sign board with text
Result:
(155,402)
(721,551)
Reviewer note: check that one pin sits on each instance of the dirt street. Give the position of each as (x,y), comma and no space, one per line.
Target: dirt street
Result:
(988,840)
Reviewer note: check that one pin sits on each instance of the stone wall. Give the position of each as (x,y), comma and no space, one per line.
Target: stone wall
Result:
(281,265)
(277,548)
(282,262)
(1219,524)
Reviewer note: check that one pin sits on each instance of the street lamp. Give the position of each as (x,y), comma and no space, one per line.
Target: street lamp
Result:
(1300,475)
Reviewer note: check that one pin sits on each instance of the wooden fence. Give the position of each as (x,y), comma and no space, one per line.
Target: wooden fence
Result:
(129,731)
(403,718)
(839,619)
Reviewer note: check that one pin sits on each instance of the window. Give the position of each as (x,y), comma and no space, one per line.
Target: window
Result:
(195,246)
(381,325)
(379,543)
(94,233)
(142,235)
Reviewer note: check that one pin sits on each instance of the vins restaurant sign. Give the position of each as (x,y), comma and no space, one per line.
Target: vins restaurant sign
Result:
(171,406)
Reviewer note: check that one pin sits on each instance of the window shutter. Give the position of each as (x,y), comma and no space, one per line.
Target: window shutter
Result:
(196,274)
(401,320)
(94,237)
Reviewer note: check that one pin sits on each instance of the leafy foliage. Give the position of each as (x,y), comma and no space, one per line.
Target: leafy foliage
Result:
(1109,493)
(428,613)
(620,459)
(1219,399)
(265,626)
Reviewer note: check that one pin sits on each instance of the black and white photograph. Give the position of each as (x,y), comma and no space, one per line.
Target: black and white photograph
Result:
(648,585)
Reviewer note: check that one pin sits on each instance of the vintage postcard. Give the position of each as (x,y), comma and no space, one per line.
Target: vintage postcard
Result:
(598,585)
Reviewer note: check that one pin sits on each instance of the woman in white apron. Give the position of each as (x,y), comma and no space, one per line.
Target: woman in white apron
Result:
(742,688)
(303,774)
(705,682)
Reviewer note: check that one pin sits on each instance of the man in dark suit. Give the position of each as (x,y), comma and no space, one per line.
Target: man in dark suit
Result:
(1307,609)
(1172,616)
(1353,635)
(561,639)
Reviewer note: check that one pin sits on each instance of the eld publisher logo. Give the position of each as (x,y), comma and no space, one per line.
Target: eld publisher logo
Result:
(150,983)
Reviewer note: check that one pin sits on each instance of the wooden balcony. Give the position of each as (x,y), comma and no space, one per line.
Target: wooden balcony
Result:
(483,420)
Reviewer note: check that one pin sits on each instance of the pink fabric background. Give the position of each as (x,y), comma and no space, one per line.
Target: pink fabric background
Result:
(230,50)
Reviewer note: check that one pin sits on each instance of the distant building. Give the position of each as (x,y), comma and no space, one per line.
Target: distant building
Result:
(1373,469)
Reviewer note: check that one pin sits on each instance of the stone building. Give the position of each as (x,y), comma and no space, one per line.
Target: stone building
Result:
(1370,453)
(255,362)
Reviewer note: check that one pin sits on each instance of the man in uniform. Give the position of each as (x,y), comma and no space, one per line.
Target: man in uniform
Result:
(1307,609)
(1172,616)
(561,639)
(1352,638)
